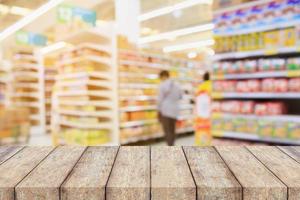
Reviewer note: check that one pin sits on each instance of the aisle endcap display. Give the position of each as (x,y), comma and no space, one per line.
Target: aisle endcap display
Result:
(85,92)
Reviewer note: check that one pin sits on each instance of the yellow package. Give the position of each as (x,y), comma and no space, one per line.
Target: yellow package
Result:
(289,37)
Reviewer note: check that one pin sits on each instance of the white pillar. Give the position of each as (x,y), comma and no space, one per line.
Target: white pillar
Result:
(127,12)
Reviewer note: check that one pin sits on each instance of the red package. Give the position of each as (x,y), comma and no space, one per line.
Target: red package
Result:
(280,85)
(276,108)
(267,85)
(261,109)
(254,85)
(247,107)
(218,86)
(294,85)
(231,106)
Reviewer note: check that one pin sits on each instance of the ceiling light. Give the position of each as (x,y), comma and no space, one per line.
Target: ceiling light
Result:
(29,18)
(192,55)
(176,33)
(170,9)
(19,11)
(193,45)
(53,47)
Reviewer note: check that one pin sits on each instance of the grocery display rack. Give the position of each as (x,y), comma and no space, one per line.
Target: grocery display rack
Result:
(253,43)
(85,105)
(28,87)
(5,79)
(138,84)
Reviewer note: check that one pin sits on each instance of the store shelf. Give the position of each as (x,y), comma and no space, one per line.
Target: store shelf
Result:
(142,138)
(271,74)
(26,94)
(26,85)
(261,28)
(85,125)
(138,123)
(27,104)
(138,85)
(241,6)
(277,118)
(144,64)
(98,83)
(79,113)
(103,94)
(31,66)
(96,59)
(26,74)
(256,53)
(87,103)
(254,138)
(78,75)
(28,57)
(138,98)
(137,108)
(256,95)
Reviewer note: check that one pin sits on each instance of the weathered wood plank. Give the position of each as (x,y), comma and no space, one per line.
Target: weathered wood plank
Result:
(16,168)
(213,178)
(45,180)
(283,166)
(90,175)
(170,175)
(8,151)
(294,152)
(130,176)
(257,181)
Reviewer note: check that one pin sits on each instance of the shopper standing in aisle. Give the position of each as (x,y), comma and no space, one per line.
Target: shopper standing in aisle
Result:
(169,95)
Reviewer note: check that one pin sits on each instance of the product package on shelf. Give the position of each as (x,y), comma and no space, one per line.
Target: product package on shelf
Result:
(84,95)
(27,86)
(4,83)
(14,125)
(138,87)
(50,71)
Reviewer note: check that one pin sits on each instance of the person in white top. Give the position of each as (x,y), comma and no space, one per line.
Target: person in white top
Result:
(169,95)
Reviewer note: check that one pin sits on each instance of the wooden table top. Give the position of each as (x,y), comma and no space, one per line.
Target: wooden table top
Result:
(160,173)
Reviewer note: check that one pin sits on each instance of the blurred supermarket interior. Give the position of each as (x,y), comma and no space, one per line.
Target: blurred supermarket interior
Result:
(86,72)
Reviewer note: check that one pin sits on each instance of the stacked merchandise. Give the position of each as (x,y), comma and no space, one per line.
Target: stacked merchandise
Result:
(27,87)
(257,65)
(84,95)
(50,72)
(4,81)
(14,125)
(138,87)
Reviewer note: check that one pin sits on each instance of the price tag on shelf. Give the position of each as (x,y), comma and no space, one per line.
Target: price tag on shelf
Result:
(218,95)
(293,73)
(269,52)
(217,133)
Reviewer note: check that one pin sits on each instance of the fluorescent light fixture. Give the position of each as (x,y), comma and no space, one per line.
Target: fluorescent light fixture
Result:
(53,47)
(192,55)
(170,9)
(29,18)
(177,33)
(16,10)
(192,45)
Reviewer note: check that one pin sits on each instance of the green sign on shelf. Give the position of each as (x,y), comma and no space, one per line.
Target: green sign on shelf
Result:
(29,38)
(68,14)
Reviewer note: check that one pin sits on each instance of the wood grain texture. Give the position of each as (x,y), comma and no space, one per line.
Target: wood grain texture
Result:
(8,151)
(170,175)
(45,180)
(16,168)
(90,175)
(283,166)
(213,178)
(257,181)
(293,151)
(130,177)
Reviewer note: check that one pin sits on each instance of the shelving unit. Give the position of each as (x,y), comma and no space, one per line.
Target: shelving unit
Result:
(28,87)
(4,83)
(138,84)
(260,42)
(85,105)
